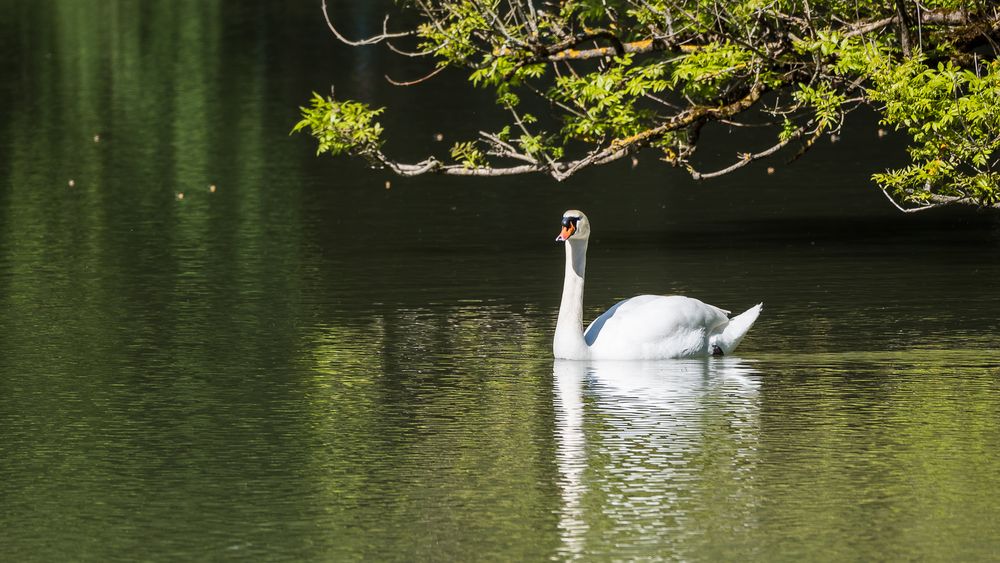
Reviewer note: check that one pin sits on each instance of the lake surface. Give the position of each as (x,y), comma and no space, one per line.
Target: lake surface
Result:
(304,365)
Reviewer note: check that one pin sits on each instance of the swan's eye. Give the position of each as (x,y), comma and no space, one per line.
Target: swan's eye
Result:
(568,228)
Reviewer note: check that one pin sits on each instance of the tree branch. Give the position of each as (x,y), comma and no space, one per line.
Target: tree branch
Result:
(432,74)
(638,47)
(903,29)
(620,147)
(515,46)
(690,116)
(433,165)
(368,41)
(505,149)
(747,158)
(950,18)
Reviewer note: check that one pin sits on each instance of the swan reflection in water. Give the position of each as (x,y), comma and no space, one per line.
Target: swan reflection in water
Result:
(640,443)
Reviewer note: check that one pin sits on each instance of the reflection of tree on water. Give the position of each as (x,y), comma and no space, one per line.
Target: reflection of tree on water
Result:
(644,447)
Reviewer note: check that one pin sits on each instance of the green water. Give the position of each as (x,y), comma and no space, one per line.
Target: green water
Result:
(305,365)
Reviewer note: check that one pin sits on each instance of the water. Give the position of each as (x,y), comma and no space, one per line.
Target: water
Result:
(304,365)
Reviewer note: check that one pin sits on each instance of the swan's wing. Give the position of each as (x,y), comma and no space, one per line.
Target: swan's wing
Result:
(650,318)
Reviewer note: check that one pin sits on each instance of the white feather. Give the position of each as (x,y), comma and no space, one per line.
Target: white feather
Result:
(647,327)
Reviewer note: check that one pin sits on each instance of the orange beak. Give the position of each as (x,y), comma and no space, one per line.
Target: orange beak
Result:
(567,232)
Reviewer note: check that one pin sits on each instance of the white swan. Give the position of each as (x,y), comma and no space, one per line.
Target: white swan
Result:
(647,327)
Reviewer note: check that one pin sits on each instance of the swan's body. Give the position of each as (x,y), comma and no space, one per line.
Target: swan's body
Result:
(647,327)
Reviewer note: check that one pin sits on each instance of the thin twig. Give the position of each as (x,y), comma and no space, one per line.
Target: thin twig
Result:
(508,149)
(912,209)
(433,73)
(370,40)
(747,158)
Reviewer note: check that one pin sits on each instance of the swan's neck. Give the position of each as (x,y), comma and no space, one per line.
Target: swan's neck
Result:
(568,342)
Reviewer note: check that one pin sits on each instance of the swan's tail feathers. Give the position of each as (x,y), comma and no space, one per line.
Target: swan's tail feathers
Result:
(736,329)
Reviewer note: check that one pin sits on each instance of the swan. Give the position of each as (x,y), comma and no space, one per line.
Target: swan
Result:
(647,327)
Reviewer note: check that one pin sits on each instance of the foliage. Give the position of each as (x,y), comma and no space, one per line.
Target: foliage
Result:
(341,127)
(468,154)
(953,116)
(621,76)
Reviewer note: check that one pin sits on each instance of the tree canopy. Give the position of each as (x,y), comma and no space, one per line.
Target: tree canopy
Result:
(621,76)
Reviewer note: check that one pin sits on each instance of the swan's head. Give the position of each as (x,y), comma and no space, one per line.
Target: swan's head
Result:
(574,225)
